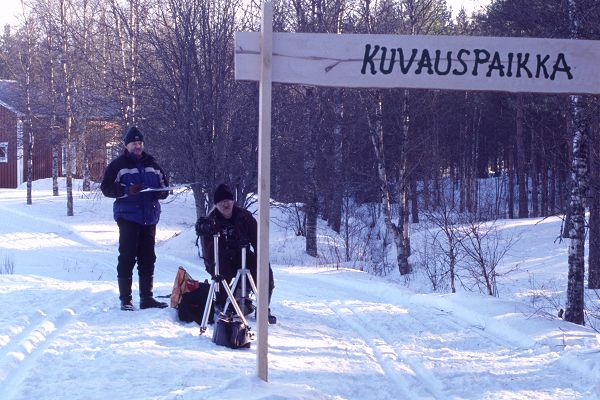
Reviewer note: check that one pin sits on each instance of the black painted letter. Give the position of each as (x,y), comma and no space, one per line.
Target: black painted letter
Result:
(522,64)
(438,55)
(368,58)
(406,68)
(425,62)
(541,66)
(479,59)
(460,60)
(562,66)
(382,68)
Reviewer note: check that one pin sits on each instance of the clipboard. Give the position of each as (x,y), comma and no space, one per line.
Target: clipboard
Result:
(163,189)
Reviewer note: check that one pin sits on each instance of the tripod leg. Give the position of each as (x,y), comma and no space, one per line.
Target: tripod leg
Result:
(235,304)
(252,284)
(209,303)
(232,287)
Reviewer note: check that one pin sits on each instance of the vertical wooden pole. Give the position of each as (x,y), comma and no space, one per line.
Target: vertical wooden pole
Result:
(264,189)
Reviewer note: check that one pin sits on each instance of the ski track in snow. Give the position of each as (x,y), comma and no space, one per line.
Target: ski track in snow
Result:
(407,374)
(22,352)
(66,228)
(427,366)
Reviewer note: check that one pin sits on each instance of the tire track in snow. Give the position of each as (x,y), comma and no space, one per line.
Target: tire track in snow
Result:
(20,355)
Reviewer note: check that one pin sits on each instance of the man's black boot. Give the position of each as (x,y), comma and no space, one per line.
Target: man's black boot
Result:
(127,305)
(150,302)
(125,294)
(146,299)
(272,318)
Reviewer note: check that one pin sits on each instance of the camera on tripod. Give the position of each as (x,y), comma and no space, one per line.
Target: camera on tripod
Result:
(205,227)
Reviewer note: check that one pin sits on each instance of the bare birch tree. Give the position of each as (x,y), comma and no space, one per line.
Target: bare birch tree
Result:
(574,311)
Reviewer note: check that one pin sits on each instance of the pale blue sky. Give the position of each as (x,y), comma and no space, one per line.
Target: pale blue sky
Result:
(11,9)
(8,11)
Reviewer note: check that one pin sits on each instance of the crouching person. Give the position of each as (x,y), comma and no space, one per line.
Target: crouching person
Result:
(136,214)
(236,228)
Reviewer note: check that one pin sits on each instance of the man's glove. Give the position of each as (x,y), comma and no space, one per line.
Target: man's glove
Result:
(134,189)
(203,227)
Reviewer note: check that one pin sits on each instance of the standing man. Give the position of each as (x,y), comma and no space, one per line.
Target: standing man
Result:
(137,214)
(236,228)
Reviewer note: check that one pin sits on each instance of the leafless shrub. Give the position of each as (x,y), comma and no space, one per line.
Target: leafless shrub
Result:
(432,262)
(292,217)
(442,252)
(592,311)
(8,266)
(361,245)
(545,298)
(484,246)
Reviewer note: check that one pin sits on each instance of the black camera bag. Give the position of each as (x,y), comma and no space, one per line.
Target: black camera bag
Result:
(192,304)
(232,332)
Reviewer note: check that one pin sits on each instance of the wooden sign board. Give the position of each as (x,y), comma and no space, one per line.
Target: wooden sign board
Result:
(429,62)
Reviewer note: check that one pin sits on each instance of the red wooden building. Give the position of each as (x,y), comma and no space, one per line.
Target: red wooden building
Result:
(101,134)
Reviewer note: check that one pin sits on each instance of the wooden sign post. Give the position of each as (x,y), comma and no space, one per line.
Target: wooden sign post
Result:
(394,61)
(264,189)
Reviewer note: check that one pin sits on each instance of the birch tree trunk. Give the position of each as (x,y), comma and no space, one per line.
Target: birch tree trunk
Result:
(403,215)
(85,162)
(68,153)
(50,41)
(535,211)
(310,161)
(574,311)
(54,137)
(374,120)
(81,88)
(511,182)
(335,214)
(521,161)
(594,229)
(127,29)
(594,252)
(579,170)
(552,187)
(26,62)
(544,183)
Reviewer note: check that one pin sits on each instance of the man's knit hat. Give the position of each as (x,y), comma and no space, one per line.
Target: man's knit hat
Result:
(133,135)
(223,192)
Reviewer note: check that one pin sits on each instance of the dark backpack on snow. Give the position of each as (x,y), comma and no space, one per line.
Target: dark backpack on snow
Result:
(192,304)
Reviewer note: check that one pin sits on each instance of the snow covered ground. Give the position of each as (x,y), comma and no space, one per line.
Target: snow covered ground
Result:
(342,334)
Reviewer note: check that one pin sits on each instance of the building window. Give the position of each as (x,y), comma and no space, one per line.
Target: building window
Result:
(4,152)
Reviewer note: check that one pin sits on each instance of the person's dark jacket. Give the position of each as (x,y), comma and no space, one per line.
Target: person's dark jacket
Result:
(239,230)
(125,172)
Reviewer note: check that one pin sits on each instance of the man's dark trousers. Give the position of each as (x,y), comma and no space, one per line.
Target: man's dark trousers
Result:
(136,244)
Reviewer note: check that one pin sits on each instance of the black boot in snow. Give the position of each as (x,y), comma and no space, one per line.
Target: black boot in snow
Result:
(146,297)
(125,294)
(127,305)
(150,302)
(272,318)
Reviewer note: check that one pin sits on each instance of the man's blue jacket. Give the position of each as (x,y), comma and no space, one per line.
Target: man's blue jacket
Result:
(125,171)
